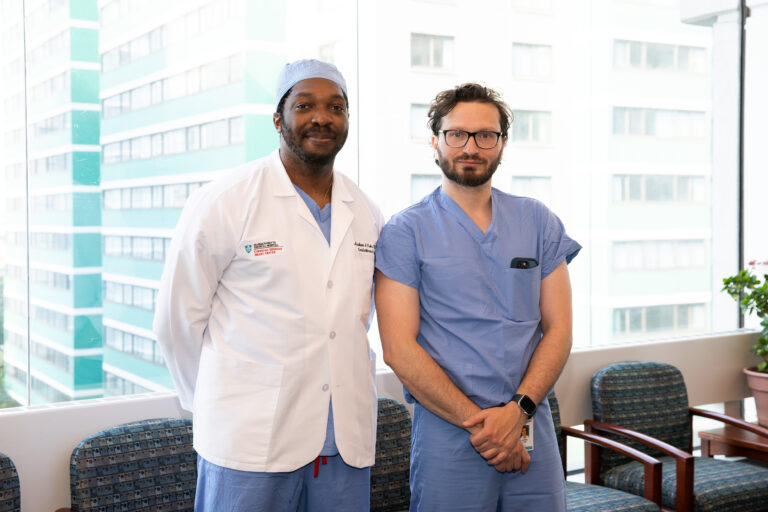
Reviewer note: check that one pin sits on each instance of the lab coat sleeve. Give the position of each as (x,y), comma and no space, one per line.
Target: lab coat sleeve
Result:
(203,245)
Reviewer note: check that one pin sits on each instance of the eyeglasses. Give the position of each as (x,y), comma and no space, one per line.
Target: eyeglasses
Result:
(483,139)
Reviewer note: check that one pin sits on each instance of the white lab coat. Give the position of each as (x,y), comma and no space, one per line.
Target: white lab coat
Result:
(259,320)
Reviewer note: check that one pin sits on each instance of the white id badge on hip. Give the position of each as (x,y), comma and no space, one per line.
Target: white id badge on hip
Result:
(526,435)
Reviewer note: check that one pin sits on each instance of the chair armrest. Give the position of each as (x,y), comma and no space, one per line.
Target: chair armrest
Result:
(651,466)
(65,509)
(683,460)
(730,420)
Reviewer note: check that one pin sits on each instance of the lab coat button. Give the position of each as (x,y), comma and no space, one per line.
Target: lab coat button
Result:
(330,284)
(333,334)
(325,387)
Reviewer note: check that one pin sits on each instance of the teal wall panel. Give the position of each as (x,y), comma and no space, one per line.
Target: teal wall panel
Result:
(84,10)
(85,127)
(86,250)
(128,314)
(86,209)
(87,290)
(144,269)
(84,84)
(261,138)
(85,167)
(261,71)
(84,44)
(88,372)
(183,163)
(265,21)
(88,329)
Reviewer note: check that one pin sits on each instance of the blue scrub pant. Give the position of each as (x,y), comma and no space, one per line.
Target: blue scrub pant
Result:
(337,487)
(447,474)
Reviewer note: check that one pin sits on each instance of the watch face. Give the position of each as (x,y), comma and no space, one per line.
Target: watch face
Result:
(527,405)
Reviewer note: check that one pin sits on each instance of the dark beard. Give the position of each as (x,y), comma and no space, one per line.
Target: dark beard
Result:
(308,158)
(466,180)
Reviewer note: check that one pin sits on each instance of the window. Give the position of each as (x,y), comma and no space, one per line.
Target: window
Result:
(531,127)
(657,56)
(656,319)
(419,120)
(658,123)
(429,51)
(423,184)
(650,187)
(659,254)
(537,187)
(531,60)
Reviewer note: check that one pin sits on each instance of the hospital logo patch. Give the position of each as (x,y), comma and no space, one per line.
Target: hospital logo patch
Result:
(263,248)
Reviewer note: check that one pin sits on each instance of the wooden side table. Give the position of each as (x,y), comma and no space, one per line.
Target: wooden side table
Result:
(733,442)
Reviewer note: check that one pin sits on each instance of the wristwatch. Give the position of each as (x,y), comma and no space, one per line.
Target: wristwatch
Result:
(527,405)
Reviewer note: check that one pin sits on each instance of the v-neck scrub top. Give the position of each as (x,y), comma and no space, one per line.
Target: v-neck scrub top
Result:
(479,318)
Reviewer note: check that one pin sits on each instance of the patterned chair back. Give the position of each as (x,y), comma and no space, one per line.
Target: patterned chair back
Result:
(149,464)
(390,486)
(555,408)
(10,500)
(644,396)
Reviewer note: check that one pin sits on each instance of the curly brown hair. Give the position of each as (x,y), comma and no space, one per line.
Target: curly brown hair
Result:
(445,101)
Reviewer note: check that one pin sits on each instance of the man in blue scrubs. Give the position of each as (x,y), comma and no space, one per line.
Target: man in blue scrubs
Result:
(474,309)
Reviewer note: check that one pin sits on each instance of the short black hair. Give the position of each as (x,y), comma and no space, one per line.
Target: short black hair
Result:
(446,101)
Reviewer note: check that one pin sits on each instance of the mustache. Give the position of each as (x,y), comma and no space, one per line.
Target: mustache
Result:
(464,160)
(314,132)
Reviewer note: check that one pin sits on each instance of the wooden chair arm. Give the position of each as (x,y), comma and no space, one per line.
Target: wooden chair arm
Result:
(651,466)
(730,420)
(683,460)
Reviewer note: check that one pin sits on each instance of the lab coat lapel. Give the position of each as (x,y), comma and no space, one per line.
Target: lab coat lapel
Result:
(282,186)
(341,215)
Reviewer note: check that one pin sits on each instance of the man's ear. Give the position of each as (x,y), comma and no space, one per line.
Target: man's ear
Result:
(277,122)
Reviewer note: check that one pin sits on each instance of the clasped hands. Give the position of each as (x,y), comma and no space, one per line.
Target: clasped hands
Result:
(495,434)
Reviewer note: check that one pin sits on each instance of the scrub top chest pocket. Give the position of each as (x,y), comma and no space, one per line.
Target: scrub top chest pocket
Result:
(522,287)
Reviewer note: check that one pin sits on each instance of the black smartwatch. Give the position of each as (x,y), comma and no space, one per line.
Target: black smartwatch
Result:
(527,405)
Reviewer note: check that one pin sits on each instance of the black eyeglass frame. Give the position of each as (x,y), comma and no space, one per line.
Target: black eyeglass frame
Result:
(471,134)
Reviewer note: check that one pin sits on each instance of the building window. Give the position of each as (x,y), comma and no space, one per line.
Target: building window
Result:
(429,51)
(651,122)
(115,386)
(659,254)
(423,184)
(657,56)
(531,127)
(133,344)
(659,187)
(131,295)
(537,187)
(531,60)
(181,140)
(173,195)
(656,319)
(419,120)
(136,247)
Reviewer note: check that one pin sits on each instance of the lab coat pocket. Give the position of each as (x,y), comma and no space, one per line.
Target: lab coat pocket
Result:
(235,403)
(522,287)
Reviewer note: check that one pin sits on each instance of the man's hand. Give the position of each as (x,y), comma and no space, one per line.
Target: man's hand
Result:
(498,437)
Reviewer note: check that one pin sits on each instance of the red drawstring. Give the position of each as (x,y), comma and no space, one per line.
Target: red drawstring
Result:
(317,464)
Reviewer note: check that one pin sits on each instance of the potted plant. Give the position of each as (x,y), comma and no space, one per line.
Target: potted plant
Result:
(752,296)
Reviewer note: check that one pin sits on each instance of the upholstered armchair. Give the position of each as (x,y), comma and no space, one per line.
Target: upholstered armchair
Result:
(390,486)
(595,498)
(645,404)
(144,465)
(9,485)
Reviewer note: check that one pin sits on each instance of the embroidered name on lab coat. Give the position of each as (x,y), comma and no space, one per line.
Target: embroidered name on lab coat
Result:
(365,247)
(263,248)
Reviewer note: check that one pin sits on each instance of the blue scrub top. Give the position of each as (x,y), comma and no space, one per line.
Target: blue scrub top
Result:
(480,319)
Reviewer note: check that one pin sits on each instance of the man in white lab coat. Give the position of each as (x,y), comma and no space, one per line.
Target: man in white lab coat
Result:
(262,315)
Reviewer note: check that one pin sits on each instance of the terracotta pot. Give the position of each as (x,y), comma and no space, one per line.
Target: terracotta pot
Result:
(758,383)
